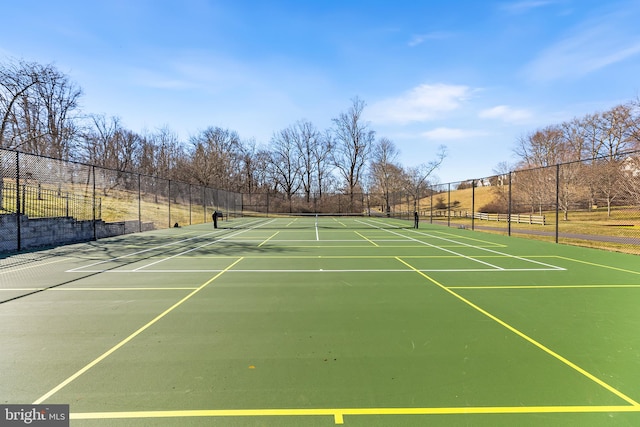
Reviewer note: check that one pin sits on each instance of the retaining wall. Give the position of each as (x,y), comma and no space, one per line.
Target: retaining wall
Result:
(46,232)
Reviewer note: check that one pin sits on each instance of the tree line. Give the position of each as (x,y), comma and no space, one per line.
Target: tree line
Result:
(582,163)
(40,114)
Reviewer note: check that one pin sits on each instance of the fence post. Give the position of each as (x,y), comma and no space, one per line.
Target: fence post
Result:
(189,204)
(169,200)
(509,210)
(19,241)
(93,177)
(139,205)
(473,203)
(433,192)
(557,200)
(449,205)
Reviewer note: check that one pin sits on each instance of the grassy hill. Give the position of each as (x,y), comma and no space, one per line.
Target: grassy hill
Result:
(483,196)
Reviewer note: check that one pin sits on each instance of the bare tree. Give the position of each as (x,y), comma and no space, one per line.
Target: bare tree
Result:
(248,179)
(214,157)
(306,139)
(16,79)
(285,164)
(353,140)
(385,171)
(323,164)
(417,177)
(616,128)
(544,147)
(37,106)
(114,148)
(59,97)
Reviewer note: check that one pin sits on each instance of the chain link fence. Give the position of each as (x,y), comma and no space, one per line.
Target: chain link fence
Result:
(595,203)
(49,202)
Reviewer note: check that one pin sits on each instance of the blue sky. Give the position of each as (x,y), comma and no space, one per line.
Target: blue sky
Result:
(473,75)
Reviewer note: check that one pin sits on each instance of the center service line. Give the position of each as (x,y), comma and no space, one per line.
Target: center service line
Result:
(132,336)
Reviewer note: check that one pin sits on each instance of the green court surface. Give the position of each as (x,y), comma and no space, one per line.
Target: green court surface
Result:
(305,322)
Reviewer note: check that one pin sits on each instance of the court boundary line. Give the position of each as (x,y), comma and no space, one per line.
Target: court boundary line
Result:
(527,338)
(624,270)
(175,242)
(102,289)
(10,269)
(435,246)
(465,245)
(268,238)
(327,270)
(83,269)
(191,250)
(547,287)
(367,239)
(130,337)
(338,414)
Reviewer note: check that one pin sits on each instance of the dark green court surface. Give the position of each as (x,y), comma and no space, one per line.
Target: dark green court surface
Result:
(354,321)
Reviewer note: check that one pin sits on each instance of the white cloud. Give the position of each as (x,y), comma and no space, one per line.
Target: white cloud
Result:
(524,6)
(596,44)
(422,103)
(505,113)
(418,39)
(448,134)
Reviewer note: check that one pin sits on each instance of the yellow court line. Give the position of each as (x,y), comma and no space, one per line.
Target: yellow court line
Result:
(600,265)
(339,413)
(527,338)
(368,240)
(544,287)
(291,222)
(130,337)
(269,238)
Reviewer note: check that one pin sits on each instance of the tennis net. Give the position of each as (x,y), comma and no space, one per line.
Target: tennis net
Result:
(318,220)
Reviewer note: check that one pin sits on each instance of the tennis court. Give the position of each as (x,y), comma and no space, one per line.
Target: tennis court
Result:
(308,321)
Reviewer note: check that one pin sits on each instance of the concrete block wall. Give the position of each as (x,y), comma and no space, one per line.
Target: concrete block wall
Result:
(44,232)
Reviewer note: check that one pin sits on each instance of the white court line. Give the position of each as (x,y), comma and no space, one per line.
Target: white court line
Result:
(553,267)
(82,269)
(200,247)
(550,266)
(434,246)
(27,267)
(391,270)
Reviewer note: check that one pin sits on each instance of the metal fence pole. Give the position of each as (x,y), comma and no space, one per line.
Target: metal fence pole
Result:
(189,204)
(19,242)
(473,203)
(449,205)
(433,192)
(93,177)
(509,209)
(139,204)
(557,200)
